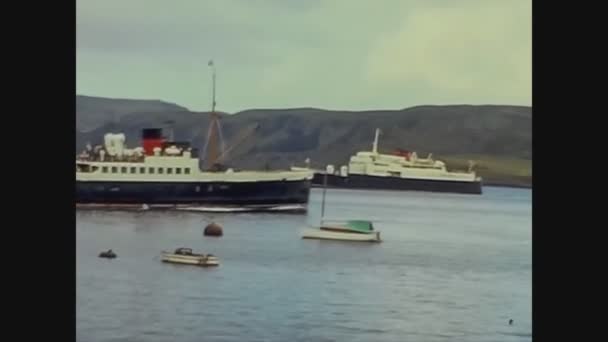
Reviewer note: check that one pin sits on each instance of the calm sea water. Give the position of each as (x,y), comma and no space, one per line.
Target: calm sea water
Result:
(451,268)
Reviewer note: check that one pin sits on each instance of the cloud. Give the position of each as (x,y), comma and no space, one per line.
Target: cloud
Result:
(347,54)
(476,53)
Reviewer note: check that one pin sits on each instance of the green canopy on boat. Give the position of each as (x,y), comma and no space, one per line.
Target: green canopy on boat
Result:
(360,225)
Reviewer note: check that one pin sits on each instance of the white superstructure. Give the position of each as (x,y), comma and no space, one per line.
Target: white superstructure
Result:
(404,165)
(116,162)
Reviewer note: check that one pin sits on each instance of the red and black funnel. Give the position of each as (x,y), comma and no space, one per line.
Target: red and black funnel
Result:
(151,139)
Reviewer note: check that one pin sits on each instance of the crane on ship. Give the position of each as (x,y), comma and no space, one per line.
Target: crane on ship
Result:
(244,135)
(241,138)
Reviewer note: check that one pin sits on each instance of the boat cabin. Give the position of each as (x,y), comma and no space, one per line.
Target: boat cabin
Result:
(183,251)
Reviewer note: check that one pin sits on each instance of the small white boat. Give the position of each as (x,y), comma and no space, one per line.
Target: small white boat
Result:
(319,234)
(185,256)
(351,230)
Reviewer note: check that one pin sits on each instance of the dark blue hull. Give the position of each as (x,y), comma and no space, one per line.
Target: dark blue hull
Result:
(353,181)
(208,193)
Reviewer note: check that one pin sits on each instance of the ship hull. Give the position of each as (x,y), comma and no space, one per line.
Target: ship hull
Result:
(205,193)
(354,181)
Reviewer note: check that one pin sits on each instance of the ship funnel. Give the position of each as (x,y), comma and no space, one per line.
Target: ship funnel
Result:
(151,139)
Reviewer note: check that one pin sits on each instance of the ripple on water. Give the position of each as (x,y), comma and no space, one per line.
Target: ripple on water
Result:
(454,276)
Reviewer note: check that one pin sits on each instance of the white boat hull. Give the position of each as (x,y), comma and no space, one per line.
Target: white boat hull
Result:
(204,261)
(318,234)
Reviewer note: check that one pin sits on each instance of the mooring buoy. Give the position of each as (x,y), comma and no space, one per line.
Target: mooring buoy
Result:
(213,229)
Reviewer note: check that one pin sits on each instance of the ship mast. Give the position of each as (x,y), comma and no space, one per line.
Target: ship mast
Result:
(323,200)
(214,126)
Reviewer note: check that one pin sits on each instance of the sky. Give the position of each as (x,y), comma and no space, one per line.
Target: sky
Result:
(332,54)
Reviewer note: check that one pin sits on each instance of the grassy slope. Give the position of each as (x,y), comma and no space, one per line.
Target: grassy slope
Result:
(495,170)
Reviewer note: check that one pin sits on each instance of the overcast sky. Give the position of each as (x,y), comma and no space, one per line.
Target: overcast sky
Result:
(333,54)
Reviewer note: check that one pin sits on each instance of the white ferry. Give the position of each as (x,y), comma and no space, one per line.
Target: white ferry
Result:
(402,170)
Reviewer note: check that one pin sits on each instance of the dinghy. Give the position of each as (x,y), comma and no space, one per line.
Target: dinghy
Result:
(185,256)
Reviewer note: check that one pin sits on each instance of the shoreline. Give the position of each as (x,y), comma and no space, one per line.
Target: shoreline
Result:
(484,184)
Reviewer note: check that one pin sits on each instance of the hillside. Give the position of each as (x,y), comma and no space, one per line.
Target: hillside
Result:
(94,112)
(498,137)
